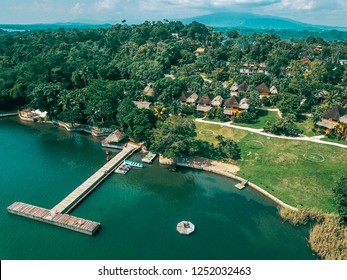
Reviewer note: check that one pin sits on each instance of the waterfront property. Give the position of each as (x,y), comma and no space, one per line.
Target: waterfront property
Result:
(54,217)
(114,140)
(126,205)
(297,172)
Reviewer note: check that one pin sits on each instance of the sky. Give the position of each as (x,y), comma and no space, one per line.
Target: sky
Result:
(322,12)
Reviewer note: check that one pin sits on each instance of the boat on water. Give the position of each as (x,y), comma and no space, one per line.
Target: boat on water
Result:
(123,168)
(134,163)
(149,157)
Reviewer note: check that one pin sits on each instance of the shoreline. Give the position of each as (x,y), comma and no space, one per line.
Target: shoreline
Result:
(91,130)
(211,168)
(186,163)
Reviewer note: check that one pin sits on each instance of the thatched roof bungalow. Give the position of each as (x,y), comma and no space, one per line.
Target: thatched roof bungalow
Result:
(192,98)
(263,89)
(217,101)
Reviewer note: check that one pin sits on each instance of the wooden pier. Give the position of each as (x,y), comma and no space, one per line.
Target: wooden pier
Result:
(241,185)
(57,215)
(68,203)
(60,220)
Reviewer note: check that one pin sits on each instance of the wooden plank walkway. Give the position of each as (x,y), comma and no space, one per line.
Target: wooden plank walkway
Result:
(57,215)
(68,203)
(241,185)
(61,220)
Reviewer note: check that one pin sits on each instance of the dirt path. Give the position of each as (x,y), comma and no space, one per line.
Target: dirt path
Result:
(313,139)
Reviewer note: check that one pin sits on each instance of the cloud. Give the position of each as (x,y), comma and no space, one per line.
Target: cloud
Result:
(298,4)
(332,12)
(77,9)
(105,4)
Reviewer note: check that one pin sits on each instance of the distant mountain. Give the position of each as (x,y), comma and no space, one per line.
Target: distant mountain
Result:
(254,21)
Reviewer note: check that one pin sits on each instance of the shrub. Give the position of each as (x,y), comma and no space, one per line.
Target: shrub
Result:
(246,117)
(340,194)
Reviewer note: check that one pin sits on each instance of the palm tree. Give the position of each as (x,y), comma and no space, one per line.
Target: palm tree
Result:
(332,98)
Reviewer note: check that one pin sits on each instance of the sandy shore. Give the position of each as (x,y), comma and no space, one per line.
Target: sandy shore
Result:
(223,169)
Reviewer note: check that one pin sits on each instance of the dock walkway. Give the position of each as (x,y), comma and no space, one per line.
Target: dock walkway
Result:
(241,185)
(58,214)
(68,203)
(61,220)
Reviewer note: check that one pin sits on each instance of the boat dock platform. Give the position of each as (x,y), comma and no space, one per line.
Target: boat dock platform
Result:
(54,216)
(241,185)
(149,157)
(60,220)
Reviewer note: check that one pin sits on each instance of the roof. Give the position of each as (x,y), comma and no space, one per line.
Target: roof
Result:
(115,136)
(183,97)
(228,112)
(262,88)
(326,123)
(246,71)
(149,89)
(243,86)
(273,90)
(233,93)
(231,102)
(217,101)
(192,98)
(142,104)
(205,99)
(234,87)
(343,119)
(335,113)
(244,104)
(202,108)
(225,84)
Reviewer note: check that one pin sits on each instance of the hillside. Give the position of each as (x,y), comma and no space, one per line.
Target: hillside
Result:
(254,21)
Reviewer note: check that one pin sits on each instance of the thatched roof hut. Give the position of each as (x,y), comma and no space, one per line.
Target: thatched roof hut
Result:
(244,86)
(192,99)
(217,101)
(335,113)
(262,88)
(205,100)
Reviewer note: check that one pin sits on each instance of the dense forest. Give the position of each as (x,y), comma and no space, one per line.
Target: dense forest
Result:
(92,76)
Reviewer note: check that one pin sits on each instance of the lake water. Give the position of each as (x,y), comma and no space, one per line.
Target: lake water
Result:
(41,164)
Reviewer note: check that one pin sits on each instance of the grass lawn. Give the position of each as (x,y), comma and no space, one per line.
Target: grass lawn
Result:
(265,116)
(306,124)
(300,173)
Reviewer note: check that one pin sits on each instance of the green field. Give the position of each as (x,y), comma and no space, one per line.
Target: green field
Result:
(300,173)
(264,116)
(306,124)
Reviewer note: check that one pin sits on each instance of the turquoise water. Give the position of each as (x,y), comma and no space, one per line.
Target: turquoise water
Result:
(41,164)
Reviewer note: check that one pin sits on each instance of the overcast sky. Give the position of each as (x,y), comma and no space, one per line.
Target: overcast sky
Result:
(325,12)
